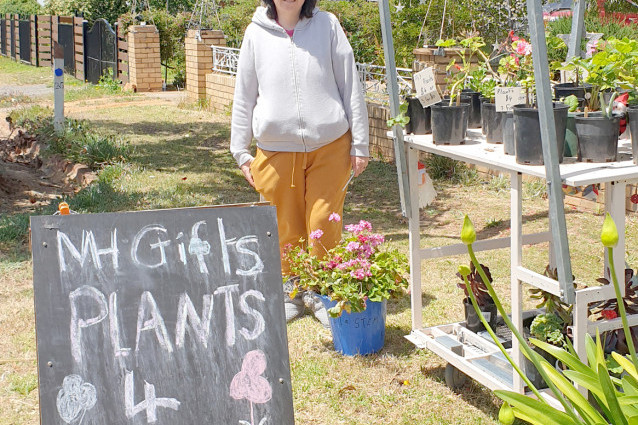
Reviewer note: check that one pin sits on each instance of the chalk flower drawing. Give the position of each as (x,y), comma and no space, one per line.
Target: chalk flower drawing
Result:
(249,384)
(75,398)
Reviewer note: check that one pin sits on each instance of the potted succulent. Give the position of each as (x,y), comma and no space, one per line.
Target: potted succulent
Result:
(450,118)
(483,299)
(548,328)
(614,341)
(354,280)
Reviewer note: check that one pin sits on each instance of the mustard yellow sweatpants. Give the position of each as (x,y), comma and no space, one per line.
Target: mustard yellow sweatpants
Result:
(306,187)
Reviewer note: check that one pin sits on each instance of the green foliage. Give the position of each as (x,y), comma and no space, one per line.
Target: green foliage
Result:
(21,7)
(92,10)
(235,17)
(572,102)
(108,83)
(14,228)
(78,142)
(548,328)
(358,269)
(401,119)
(443,168)
(23,384)
(614,398)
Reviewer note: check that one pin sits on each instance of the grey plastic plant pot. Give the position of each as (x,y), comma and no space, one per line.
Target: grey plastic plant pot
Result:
(492,123)
(597,137)
(632,115)
(449,123)
(509,147)
(474,99)
(419,117)
(527,133)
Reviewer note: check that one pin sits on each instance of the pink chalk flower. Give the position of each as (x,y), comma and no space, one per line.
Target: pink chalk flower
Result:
(334,217)
(249,384)
(316,234)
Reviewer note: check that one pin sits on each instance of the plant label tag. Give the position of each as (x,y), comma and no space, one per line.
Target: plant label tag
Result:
(425,85)
(507,97)
(487,315)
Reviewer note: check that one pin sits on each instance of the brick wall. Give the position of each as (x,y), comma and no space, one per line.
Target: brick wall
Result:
(381,145)
(220,89)
(145,69)
(199,59)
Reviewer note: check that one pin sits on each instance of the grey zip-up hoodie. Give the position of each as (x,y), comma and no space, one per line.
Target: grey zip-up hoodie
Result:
(299,93)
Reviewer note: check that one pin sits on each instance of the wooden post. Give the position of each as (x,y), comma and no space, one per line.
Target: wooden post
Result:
(58,87)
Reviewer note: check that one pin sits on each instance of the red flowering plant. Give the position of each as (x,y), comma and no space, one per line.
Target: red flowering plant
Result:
(360,268)
(516,67)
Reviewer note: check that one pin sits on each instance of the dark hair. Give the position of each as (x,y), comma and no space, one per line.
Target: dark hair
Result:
(306,9)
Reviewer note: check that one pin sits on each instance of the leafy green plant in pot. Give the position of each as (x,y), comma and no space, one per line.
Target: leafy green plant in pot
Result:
(483,299)
(549,328)
(450,118)
(598,133)
(613,399)
(353,280)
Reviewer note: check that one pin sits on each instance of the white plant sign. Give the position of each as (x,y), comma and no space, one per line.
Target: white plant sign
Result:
(507,97)
(425,85)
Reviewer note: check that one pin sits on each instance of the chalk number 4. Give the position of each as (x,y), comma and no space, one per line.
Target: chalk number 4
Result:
(150,403)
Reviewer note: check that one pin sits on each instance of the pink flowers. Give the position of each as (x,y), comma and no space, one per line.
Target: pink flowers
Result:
(316,234)
(334,217)
(523,47)
(358,228)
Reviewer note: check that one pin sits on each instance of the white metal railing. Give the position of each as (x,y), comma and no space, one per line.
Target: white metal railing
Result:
(225,60)
(373,77)
(375,87)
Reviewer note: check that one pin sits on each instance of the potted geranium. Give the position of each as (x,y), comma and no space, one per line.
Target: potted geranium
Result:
(450,118)
(354,280)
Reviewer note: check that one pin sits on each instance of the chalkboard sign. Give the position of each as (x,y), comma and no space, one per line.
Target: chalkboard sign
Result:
(161,317)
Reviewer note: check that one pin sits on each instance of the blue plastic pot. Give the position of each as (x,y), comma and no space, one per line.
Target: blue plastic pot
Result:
(358,333)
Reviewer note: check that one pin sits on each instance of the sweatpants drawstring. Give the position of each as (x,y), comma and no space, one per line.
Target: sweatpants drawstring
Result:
(292,174)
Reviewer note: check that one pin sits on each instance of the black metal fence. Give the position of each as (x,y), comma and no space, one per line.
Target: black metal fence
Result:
(24,31)
(88,54)
(67,41)
(101,51)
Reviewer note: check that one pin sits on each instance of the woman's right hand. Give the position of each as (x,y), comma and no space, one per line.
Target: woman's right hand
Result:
(245,168)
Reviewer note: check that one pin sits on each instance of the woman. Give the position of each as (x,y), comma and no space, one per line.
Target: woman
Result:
(298,94)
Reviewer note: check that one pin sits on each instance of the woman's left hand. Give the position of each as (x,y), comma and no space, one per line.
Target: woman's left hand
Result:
(359,163)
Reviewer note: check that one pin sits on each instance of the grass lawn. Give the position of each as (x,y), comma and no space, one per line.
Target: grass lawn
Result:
(180,158)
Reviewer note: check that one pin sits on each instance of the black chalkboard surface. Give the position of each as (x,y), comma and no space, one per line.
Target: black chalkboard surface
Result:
(161,317)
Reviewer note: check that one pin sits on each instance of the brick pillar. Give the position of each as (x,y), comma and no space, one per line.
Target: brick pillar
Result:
(425,57)
(145,69)
(199,60)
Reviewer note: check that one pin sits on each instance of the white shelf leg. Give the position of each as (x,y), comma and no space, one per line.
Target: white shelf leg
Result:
(516,253)
(415,240)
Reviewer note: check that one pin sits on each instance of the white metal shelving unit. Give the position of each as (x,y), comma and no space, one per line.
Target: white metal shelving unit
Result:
(440,339)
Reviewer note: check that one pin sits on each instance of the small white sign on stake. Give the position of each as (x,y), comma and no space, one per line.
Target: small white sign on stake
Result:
(425,85)
(507,97)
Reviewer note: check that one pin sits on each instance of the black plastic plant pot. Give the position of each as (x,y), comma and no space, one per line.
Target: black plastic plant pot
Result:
(566,89)
(419,117)
(492,123)
(632,115)
(527,133)
(474,99)
(597,137)
(509,147)
(483,125)
(571,137)
(472,321)
(449,123)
